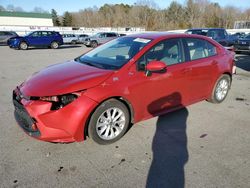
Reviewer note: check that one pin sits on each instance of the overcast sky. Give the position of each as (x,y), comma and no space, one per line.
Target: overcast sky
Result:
(74,5)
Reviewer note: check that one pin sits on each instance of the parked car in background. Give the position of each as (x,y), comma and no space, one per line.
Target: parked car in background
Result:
(70,39)
(100,38)
(239,35)
(99,94)
(49,39)
(218,34)
(82,37)
(122,34)
(6,35)
(243,44)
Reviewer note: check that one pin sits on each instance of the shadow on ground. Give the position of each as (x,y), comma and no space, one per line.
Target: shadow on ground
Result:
(60,47)
(169,147)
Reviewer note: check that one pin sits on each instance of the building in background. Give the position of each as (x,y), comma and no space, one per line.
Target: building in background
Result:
(242,25)
(25,19)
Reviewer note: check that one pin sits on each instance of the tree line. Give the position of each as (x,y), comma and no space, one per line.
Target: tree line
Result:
(194,13)
(146,14)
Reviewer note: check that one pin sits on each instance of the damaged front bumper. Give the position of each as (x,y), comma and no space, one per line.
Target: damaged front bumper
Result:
(66,124)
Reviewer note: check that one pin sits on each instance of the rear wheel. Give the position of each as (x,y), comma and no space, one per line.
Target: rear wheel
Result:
(109,122)
(23,46)
(221,89)
(94,44)
(54,45)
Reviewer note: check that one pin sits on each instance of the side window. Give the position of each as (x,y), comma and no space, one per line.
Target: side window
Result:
(49,33)
(199,48)
(44,34)
(111,35)
(1,33)
(36,34)
(211,49)
(7,33)
(102,35)
(169,52)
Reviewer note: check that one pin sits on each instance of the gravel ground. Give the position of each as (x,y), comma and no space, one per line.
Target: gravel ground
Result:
(203,145)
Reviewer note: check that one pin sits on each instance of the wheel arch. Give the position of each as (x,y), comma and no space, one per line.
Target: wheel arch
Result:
(118,98)
(23,40)
(94,41)
(210,97)
(229,74)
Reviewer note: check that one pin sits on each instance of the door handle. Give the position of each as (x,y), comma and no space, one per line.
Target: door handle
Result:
(214,63)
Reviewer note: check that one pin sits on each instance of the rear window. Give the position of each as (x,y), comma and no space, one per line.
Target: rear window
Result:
(199,48)
(198,32)
(216,34)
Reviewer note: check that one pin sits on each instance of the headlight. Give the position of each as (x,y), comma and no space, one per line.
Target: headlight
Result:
(61,100)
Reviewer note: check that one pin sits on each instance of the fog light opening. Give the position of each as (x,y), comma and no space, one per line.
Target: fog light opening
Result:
(34,127)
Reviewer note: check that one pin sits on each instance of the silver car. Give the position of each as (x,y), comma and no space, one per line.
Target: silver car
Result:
(70,39)
(82,37)
(6,35)
(100,38)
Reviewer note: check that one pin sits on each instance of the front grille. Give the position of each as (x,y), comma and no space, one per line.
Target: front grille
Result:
(22,116)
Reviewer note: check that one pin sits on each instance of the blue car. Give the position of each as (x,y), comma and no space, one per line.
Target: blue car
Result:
(49,39)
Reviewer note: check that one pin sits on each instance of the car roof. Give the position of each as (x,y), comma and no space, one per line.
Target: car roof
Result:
(159,35)
(205,29)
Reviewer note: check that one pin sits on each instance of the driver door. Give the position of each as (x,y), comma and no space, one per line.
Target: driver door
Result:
(35,38)
(161,92)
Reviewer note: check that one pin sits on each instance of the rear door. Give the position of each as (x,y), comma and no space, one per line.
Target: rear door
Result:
(201,56)
(46,38)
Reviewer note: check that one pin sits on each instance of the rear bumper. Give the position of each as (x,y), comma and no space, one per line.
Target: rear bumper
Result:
(64,125)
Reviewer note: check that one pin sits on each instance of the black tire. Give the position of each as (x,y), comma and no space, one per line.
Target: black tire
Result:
(215,96)
(73,42)
(98,118)
(94,44)
(23,45)
(54,45)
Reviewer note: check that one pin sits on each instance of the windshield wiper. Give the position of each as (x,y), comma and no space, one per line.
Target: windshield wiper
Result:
(91,64)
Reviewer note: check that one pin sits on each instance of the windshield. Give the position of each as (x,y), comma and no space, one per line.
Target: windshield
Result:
(28,33)
(96,35)
(114,54)
(216,34)
(247,37)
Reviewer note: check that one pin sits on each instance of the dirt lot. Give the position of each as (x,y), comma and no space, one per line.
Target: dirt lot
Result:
(204,145)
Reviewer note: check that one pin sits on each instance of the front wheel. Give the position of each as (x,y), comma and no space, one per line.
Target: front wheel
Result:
(109,122)
(221,89)
(23,46)
(54,45)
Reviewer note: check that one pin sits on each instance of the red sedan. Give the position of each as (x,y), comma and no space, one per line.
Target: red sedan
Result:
(129,79)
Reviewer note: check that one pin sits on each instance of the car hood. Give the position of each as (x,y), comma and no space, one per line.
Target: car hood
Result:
(63,78)
(17,37)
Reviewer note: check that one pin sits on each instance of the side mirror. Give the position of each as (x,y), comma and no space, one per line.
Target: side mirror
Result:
(156,67)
